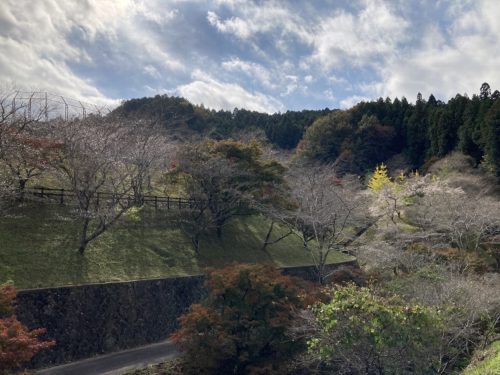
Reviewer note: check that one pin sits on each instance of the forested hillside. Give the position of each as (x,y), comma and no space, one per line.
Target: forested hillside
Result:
(162,188)
(283,129)
(358,138)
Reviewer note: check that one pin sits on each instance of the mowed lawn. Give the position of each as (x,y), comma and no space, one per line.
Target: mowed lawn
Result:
(38,248)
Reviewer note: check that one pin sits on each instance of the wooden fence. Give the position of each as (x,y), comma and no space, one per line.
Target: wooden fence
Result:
(70,197)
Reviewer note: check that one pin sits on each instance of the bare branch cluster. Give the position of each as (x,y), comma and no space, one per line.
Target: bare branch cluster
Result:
(322,210)
(107,155)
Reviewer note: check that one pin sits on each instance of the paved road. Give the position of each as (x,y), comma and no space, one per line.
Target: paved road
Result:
(117,363)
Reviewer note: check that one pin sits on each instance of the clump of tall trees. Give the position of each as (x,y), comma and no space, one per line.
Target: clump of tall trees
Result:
(371,132)
(104,165)
(224,179)
(108,164)
(355,139)
(179,115)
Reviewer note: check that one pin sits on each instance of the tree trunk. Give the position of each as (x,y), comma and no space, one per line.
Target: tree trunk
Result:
(83,238)
(268,235)
(82,247)
(21,189)
(196,243)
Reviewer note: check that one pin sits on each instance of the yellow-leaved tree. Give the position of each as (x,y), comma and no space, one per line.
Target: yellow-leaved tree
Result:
(379,179)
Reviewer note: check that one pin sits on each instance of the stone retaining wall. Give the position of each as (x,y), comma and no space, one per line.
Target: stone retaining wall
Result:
(88,320)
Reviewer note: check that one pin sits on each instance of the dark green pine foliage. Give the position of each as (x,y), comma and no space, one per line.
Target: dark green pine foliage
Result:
(491,137)
(374,142)
(284,132)
(356,139)
(442,132)
(287,129)
(399,110)
(467,138)
(416,132)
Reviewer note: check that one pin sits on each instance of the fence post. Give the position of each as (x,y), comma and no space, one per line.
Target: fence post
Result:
(180,206)
(156,202)
(168,203)
(41,192)
(62,197)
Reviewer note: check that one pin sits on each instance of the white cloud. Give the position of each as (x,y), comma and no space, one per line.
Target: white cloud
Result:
(329,95)
(297,52)
(37,39)
(352,101)
(220,95)
(457,60)
(357,39)
(152,71)
(271,17)
(234,25)
(252,70)
(336,80)
(274,78)
(152,12)
(291,86)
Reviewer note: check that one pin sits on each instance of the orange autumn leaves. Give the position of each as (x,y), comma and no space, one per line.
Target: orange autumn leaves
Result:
(242,326)
(18,344)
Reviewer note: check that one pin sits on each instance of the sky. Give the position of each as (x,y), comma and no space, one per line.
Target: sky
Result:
(269,56)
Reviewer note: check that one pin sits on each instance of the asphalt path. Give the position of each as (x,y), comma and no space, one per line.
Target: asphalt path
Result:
(117,363)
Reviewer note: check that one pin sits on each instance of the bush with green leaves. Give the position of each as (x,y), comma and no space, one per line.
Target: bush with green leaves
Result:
(359,332)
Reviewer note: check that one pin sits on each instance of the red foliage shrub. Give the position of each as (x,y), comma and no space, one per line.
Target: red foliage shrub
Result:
(241,328)
(17,343)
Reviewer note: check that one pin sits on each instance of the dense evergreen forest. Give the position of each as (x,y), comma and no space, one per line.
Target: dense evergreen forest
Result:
(358,138)
(282,129)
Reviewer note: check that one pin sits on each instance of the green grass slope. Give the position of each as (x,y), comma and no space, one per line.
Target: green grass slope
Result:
(485,363)
(38,248)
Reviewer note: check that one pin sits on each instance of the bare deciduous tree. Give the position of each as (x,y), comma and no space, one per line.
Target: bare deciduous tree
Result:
(101,164)
(441,215)
(148,153)
(26,150)
(449,214)
(325,209)
(195,222)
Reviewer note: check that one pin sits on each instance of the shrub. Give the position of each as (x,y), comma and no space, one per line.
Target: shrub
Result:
(348,275)
(242,326)
(358,332)
(17,343)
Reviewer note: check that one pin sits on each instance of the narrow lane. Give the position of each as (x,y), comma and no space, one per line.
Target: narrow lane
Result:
(117,363)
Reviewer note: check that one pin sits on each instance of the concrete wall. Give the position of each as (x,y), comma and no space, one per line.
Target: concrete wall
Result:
(93,319)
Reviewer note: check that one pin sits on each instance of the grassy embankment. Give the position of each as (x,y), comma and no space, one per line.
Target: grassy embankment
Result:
(485,363)
(38,248)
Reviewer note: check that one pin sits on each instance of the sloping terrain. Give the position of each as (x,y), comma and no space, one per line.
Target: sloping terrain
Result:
(38,248)
(485,362)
